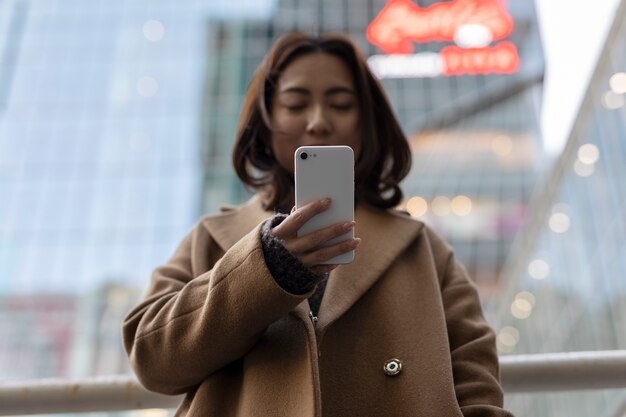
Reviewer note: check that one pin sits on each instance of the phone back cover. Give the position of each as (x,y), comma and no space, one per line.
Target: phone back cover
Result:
(327,172)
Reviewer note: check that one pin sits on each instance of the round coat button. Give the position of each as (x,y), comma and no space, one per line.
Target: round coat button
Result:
(393,367)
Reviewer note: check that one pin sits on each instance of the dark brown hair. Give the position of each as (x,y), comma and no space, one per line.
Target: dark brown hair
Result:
(385,157)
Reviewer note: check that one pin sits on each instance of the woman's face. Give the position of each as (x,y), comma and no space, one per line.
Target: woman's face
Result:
(314,103)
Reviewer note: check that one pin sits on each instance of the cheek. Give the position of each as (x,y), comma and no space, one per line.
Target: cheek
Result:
(286,125)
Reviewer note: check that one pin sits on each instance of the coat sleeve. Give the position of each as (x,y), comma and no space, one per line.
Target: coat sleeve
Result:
(197,318)
(472,346)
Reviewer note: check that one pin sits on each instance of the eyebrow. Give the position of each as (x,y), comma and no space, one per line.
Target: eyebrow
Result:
(330,91)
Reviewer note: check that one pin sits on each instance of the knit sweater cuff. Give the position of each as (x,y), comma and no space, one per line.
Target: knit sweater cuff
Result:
(291,274)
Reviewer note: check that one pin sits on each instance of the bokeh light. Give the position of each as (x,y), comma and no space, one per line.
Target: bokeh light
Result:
(441,206)
(583,170)
(416,206)
(153,30)
(461,205)
(538,269)
(618,82)
(508,338)
(588,153)
(559,222)
(611,100)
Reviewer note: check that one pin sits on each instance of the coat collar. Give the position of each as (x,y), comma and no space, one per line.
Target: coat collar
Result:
(228,227)
(384,236)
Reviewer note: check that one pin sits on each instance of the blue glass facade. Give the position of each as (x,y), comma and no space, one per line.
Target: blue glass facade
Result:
(99,137)
(100,164)
(566,288)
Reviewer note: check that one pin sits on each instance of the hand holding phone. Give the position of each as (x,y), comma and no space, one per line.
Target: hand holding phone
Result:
(326,172)
(320,232)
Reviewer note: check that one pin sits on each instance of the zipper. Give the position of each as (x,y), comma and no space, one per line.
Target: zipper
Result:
(313,318)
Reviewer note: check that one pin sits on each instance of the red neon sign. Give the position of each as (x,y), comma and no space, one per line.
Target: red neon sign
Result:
(501,59)
(401,22)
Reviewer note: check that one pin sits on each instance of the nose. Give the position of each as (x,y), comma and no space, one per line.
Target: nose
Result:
(318,123)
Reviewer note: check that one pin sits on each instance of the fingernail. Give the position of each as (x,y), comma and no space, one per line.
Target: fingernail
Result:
(348,226)
(326,202)
(355,242)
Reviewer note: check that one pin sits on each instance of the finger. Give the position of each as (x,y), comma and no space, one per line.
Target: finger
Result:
(321,255)
(293,222)
(316,239)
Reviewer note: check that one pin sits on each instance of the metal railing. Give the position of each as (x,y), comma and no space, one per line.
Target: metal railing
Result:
(522,373)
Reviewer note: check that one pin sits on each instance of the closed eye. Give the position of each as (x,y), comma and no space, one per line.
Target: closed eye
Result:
(342,106)
(295,107)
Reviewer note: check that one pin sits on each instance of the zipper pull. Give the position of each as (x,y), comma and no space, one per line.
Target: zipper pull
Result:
(313,318)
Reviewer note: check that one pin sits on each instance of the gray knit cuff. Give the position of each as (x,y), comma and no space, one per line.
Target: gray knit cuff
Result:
(291,274)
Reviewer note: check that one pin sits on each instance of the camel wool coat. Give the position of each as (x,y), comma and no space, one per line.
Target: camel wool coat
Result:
(217,327)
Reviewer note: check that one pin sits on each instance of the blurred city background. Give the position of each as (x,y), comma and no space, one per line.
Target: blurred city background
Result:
(117,121)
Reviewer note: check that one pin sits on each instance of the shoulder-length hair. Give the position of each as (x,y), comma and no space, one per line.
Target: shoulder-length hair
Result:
(385,157)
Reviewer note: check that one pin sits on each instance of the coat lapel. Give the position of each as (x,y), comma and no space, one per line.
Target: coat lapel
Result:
(384,236)
(229,227)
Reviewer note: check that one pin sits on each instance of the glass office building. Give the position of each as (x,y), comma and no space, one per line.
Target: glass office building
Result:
(100,172)
(474,131)
(566,288)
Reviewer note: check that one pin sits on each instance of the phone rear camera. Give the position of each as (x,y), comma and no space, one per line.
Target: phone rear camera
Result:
(304,155)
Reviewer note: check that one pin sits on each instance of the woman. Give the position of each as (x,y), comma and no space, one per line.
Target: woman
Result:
(247,321)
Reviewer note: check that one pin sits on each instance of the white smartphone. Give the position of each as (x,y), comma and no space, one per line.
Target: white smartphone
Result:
(326,171)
